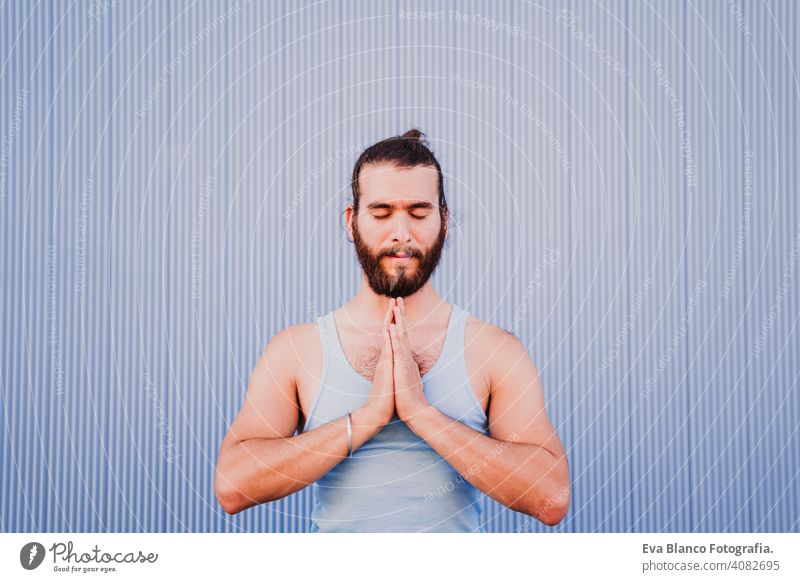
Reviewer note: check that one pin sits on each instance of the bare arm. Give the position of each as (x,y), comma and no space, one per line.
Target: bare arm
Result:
(523,465)
(259,459)
(261,469)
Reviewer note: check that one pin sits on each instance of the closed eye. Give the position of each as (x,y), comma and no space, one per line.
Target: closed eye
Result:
(385,216)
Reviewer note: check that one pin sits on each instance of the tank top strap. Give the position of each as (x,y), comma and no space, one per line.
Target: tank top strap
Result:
(324,326)
(454,342)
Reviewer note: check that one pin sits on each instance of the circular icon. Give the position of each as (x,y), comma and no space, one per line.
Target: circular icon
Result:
(31,555)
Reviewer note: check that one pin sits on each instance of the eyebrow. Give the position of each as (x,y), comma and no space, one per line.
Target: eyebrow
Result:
(387,206)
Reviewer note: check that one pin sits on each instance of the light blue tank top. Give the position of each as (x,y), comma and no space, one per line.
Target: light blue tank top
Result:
(396,482)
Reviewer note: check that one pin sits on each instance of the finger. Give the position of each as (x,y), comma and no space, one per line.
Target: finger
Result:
(393,340)
(387,344)
(387,357)
(398,345)
(398,354)
(387,318)
(402,330)
(399,319)
(392,306)
(403,311)
(401,353)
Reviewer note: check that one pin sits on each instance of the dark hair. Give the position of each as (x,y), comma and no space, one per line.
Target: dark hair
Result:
(405,151)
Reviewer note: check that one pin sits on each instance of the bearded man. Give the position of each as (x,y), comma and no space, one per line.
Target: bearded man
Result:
(398,407)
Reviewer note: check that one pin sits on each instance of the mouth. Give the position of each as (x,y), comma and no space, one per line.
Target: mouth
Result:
(400,257)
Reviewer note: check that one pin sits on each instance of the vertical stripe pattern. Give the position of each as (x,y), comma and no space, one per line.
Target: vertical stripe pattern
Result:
(623,185)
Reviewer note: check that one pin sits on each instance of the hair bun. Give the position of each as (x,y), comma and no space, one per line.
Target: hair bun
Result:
(414,134)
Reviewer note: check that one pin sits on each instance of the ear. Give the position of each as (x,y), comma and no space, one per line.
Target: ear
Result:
(349,215)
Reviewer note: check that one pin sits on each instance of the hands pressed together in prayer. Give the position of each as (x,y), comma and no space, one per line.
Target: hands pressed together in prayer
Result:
(397,385)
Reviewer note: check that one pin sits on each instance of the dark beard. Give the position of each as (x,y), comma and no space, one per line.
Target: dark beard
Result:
(398,284)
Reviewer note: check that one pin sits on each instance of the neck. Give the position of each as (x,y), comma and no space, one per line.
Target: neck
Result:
(369,308)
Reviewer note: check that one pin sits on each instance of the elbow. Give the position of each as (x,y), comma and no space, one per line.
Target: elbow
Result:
(233,497)
(552,509)
(230,505)
(555,515)
(229,494)
(237,487)
(229,498)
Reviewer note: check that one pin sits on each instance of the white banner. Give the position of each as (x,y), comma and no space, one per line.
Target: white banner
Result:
(233,557)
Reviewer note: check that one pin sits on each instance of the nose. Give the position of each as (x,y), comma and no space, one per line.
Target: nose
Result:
(400,231)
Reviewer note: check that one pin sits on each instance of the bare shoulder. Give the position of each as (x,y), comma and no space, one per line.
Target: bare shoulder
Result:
(485,331)
(292,348)
(493,352)
(297,351)
(299,335)
(491,343)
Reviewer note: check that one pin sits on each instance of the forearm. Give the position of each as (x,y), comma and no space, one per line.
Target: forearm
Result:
(525,477)
(259,470)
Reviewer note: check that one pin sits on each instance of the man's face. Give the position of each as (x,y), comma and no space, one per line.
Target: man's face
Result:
(398,231)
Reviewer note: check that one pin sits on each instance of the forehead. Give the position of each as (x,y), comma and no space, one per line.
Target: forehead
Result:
(383,182)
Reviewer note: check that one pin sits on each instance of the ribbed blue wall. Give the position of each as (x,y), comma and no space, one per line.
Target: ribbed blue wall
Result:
(623,178)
